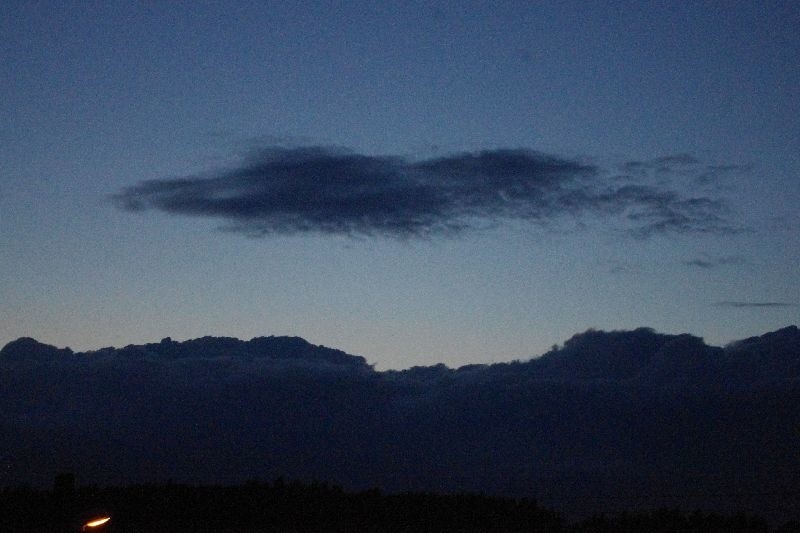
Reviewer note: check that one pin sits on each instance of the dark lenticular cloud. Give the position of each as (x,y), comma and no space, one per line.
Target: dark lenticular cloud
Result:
(333,191)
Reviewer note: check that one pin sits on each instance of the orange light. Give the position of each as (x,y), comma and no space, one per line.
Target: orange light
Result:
(98,522)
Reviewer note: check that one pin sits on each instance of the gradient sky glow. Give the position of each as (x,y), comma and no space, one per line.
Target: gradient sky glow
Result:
(98,97)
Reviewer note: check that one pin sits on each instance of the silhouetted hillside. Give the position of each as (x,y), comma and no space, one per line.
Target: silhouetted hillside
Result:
(611,420)
(27,348)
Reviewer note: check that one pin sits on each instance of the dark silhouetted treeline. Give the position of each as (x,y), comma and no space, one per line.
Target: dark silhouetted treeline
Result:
(319,507)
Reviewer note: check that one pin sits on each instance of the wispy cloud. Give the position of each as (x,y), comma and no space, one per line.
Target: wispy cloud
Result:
(719,173)
(740,304)
(709,262)
(685,166)
(334,191)
(667,164)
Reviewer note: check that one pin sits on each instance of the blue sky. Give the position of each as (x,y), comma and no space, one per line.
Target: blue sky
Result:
(686,100)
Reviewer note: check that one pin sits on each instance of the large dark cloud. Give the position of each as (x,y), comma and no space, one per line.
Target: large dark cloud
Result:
(335,191)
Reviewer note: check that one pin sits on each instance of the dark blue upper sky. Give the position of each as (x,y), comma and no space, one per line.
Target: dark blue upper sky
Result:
(417,183)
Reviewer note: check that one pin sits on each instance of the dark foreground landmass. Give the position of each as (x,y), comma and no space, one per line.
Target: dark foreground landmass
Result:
(297,507)
(609,422)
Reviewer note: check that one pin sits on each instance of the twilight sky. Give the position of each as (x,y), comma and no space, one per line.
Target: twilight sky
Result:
(418,183)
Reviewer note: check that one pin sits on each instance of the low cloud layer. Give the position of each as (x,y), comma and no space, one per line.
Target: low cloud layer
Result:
(334,191)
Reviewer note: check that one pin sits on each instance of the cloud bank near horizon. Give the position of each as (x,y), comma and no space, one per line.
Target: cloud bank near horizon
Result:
(324,190)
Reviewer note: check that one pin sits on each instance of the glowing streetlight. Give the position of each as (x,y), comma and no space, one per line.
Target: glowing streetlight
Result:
(99,522)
